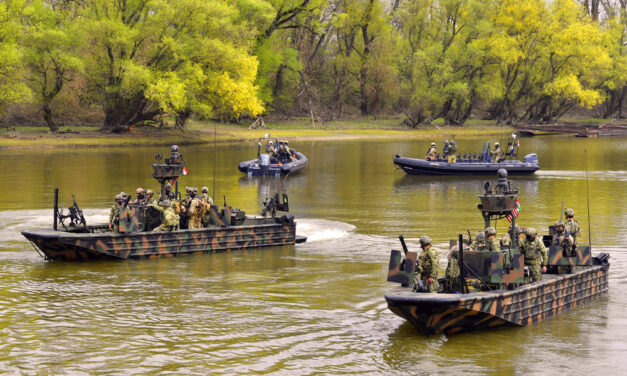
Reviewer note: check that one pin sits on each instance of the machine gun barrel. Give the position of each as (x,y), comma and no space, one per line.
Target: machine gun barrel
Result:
(402,239)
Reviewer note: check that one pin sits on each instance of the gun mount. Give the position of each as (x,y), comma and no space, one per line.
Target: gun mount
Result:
(274,204)
(170,169)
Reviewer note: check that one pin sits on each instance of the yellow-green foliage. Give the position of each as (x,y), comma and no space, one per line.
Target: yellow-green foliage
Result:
(12,88)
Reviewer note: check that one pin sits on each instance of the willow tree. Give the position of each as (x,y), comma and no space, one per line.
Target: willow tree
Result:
(150,56)
(51,42)
(551,58)
(446,64)
(12,87)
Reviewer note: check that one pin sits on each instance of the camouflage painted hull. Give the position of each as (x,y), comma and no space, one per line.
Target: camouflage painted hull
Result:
(526,305)
(59,245)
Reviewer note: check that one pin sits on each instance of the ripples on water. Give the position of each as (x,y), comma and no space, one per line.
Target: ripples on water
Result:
(315,308)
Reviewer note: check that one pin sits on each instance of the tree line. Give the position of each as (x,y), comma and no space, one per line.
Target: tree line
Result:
(134,60)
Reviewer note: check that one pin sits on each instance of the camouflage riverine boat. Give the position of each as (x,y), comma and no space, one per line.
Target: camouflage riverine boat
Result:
(229,229)
(491,291)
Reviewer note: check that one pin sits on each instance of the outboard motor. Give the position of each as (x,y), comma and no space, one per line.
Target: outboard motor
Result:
(531,158)
(264,163)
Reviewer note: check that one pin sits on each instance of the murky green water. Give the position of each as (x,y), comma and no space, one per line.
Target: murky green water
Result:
(316,308)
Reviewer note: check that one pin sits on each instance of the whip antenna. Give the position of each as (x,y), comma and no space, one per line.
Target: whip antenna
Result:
(588,203)
(215,144)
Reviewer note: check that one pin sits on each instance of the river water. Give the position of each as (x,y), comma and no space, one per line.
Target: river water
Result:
(313,308)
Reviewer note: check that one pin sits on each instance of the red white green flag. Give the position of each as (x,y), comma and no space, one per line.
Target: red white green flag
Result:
(516,211)
(184,170)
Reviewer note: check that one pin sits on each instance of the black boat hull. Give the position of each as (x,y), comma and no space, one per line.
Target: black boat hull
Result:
(413,166)
(254,168)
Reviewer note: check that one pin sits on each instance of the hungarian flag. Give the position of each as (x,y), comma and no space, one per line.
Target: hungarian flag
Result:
(516,211)
(184,170)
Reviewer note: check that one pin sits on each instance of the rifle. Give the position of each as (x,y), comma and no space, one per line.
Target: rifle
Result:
(562,212)
(469,237)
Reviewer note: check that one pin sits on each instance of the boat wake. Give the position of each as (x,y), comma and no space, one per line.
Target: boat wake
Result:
(321,229)
(13,222)
(599,175)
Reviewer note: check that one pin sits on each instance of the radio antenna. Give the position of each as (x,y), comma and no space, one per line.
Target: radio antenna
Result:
(215,144)
(588,202)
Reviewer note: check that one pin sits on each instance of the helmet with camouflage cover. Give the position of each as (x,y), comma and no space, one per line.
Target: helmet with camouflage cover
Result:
(506,241)
(118,197)
(270,142)
(480,237)
(194,190)
(149,192)
(446,142)
(167,186)
(433,144)
(139,191)
(165,203)
(490,231)
(569,213)
(466,238)
(205,190)
(123,194)
(425,240)
(531,231)
(559,226)
(496,144)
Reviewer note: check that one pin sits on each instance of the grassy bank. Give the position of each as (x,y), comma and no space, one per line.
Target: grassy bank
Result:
(203,132)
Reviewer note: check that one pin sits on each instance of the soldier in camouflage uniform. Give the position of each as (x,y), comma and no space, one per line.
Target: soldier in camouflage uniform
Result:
(141,196)
(445,150)
(497,154)
(204,197)
(432,153)
(168,193)
(153,216)
(479,244)
(170,218)
(452,269)
(571,225)
(427,268)
(536,256)
(492,244)
(114,215)
(194,210)
(562,238)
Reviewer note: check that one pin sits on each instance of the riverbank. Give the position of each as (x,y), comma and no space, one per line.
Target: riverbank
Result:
(204,132)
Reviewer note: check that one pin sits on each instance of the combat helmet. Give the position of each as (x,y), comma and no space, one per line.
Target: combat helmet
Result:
(425,240)
(167,186)
(531,232)
(490,231)
(433,144)
(496,144)
(559,224)
(118,197)
(569,213)
(149,192)
(205,190)
(480,237)
(139,191)
(466,238)
(165,203)
(446,142)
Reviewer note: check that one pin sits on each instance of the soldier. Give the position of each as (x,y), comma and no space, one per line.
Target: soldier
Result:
(169,195)
(204,197)
(114,215)
(124,197)
(432,153)
(571,225)
(497,154)
(141,196)
(452,269)
(452,149)
(562,238)
(445,149)
(428,265)
(506,241)
(492,244)
(150,197)
(153,217)
(170,218)
(535,254)
(195,210)
(270,149)
(479,244)
(288,150)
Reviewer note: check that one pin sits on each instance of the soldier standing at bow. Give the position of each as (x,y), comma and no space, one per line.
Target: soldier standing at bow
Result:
(427,268)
